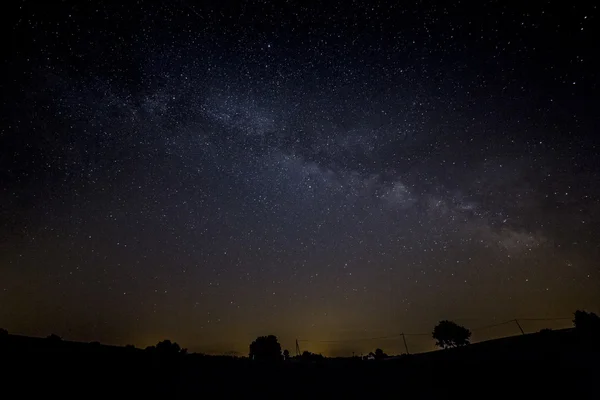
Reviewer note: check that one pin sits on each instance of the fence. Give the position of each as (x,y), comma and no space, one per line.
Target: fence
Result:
(410,342)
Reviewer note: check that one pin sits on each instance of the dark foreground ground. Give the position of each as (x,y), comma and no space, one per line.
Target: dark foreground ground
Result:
(559,364)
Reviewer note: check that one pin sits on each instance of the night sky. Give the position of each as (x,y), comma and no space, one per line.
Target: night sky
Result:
(210,172)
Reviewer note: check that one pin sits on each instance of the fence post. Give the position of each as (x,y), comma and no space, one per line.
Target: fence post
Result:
(405,345)
(519,325)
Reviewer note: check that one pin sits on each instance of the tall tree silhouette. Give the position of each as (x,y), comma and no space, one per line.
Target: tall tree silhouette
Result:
(587,324)
(450,334)
(265,348)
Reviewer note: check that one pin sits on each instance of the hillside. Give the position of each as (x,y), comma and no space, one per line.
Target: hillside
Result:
(527,361)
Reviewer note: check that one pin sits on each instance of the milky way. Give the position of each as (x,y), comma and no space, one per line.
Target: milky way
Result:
(209,173)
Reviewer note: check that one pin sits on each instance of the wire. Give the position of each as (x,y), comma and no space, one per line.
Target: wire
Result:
(543,319)
(493,325)
(349,340)
(429,334)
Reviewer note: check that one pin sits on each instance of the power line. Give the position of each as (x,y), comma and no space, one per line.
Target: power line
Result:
(545,319)
(349,340)
(492,326)
(511,321)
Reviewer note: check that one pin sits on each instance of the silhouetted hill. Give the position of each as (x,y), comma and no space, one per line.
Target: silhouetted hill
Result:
(19,343)
(524,363)
(562,344)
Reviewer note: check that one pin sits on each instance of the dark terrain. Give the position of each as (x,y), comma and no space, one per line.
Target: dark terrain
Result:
(558,363)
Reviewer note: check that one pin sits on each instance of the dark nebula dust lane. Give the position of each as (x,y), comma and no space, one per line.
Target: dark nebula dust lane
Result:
(209,171)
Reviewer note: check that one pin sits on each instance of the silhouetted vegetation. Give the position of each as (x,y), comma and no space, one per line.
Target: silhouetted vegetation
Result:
(167,347)
(311,357)
(377,355)
(170,375)
(587,322)
(450,334)
(3,332)
(380,355)
(166,366)
(164,350)
(265,348)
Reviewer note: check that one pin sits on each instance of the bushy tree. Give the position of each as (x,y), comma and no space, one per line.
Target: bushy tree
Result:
(308,356)
(587,323)
(3,332)
(286,354)
(450,334)
(168,347)
(379,354)
(265,348)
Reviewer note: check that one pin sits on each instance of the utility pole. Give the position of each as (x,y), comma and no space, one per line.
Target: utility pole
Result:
(519,325)
(405,345)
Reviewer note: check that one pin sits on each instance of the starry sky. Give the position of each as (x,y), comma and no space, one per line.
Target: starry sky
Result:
(209,172)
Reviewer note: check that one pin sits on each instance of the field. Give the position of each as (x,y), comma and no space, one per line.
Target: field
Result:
(535,364)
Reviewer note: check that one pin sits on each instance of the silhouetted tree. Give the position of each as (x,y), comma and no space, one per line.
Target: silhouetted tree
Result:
(130,347)
(265,348)
(450,334)
(286,354)
(379,354)
(3,332)
(587,323)
(166,347)
(308,356)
